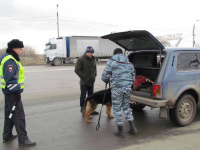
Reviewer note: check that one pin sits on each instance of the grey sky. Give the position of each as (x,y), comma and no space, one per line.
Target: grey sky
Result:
(34,21)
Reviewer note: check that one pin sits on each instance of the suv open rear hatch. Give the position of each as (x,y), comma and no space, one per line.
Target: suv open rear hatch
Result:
(135,40)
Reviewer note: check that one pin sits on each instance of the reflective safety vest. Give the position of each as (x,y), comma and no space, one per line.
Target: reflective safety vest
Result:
(19,75)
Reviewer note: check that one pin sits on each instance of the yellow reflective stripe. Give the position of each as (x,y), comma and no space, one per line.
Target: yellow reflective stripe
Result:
(3,83)
(3,86)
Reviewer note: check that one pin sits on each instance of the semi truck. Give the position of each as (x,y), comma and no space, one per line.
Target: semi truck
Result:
(67,49)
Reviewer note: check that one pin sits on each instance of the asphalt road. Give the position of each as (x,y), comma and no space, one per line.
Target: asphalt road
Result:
(54,121)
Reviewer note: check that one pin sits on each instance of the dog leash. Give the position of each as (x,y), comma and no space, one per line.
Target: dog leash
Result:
(98,125)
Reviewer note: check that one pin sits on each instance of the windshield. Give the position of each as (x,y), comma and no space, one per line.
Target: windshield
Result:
(142,43)
(50,47)
(47,47)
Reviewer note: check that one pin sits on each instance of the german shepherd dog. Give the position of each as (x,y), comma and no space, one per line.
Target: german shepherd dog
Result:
(93,100)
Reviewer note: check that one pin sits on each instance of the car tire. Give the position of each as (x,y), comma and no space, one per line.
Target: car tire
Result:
(184,111)
(57,62)
(137,106)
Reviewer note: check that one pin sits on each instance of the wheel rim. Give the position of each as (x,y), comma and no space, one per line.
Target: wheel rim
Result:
(57,61)
(186,109)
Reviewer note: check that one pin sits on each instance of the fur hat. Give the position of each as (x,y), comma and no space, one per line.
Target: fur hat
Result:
(118,51)
(89,49)
(15,43)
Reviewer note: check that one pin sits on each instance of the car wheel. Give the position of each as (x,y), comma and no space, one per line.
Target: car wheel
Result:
(57,62)
(137,106)
(184,111)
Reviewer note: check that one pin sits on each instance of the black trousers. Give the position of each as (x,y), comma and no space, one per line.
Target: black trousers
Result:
(85,90)
(17,120)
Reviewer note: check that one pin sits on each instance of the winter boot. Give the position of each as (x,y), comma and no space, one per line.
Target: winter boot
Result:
(120,132)
(12,137)
(27,142)
(132,129)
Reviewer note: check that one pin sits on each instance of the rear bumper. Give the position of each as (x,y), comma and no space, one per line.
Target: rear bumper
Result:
(148,102)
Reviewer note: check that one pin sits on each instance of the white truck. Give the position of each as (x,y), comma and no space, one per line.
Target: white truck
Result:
(66,49)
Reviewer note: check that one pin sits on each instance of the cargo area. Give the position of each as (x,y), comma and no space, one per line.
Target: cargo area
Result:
(147,67)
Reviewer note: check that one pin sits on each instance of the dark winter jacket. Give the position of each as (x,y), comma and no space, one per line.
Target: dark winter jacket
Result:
(86,69)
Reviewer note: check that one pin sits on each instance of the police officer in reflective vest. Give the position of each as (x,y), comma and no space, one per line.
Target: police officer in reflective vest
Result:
(12,84)
(121,74)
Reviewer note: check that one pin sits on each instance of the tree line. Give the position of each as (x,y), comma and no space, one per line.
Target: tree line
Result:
(28,56)
(28,51)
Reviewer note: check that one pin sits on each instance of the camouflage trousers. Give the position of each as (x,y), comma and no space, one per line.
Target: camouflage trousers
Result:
(120,101)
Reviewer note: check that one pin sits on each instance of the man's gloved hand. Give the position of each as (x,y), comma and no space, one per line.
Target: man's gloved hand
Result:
(17,96)
(106,82)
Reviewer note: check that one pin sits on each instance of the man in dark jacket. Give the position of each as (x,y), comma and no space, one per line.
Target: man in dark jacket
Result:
(12,84)
(85,68)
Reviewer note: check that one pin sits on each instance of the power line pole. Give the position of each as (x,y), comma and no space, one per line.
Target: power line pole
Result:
(57,21)
(193,33)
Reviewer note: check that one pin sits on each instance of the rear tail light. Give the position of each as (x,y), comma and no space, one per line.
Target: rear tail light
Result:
(156,90)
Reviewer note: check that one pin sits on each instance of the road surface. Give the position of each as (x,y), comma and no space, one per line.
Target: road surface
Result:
(54,121)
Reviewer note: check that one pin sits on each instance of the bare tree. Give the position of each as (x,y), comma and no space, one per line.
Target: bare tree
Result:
(165,43)
(27,52)
(197,45)
(28,57)
(2,51)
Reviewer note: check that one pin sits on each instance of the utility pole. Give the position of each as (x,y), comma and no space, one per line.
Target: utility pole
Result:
(194,33)
(57,21)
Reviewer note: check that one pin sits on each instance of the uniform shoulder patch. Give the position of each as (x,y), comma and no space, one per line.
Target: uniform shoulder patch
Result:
(10,68)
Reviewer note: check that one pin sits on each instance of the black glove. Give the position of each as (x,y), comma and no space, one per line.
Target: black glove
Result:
(107,81)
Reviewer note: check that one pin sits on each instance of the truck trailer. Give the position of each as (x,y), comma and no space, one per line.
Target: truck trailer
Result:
(67,49)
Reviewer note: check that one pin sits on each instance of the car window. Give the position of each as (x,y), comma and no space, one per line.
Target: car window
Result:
(147,60)
(142,60)
(188,61)
(53,46)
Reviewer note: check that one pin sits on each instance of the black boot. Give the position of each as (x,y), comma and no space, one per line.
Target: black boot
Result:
(132,129)
(120,132)
(12,137)
(27,143)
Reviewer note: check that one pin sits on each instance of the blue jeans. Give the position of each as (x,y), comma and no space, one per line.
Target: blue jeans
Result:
(85,90)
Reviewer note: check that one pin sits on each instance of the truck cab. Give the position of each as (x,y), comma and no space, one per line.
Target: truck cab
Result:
(55,50)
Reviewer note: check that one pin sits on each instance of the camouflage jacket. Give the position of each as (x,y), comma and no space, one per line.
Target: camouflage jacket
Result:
(119,71)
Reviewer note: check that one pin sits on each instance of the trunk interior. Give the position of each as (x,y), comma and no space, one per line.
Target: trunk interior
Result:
(147,67)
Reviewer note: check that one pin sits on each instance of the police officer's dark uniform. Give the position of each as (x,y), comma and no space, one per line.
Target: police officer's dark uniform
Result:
(12,79)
